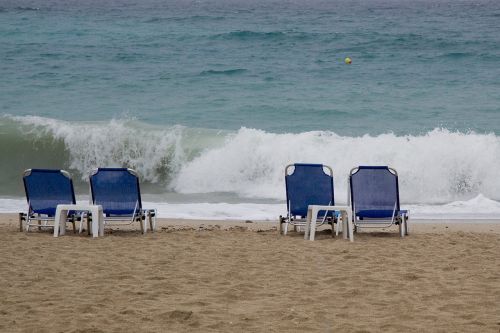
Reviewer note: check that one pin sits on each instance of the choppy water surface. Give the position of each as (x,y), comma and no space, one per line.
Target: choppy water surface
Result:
(209,100)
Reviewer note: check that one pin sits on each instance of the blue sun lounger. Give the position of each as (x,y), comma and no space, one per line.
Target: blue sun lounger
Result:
(117,191)
(45,189)
(307,184)
(374,197)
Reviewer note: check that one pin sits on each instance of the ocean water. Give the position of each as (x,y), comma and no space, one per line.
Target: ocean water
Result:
(209,100)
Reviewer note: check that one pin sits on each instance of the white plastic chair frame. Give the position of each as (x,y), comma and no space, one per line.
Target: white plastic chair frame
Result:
(400,220)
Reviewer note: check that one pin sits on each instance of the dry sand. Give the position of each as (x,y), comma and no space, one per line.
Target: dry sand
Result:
(199,276)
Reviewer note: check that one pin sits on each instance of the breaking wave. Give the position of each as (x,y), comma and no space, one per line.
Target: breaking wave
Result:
(437,167)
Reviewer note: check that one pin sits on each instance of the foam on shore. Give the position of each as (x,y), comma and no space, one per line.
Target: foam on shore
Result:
(479,208)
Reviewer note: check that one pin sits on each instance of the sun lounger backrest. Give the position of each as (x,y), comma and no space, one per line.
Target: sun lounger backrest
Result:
(116,190)
(374,191)
(45,189)
(308,184)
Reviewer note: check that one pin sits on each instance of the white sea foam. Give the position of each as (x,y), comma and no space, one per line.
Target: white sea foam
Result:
(478,208)
(438,167)
(154,152)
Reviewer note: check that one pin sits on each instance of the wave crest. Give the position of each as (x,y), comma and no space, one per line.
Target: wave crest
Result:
(438,167)
(155,154)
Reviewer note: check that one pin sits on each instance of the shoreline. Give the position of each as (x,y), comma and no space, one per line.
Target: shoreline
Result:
(479,209)
(416,225)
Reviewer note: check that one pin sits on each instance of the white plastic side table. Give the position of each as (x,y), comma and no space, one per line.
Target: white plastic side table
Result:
(62,215)
(312,216)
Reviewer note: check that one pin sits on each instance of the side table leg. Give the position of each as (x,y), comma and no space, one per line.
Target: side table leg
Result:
(312,228)
(350,226)
(95,222)
(56,222)
(62,222)
(345,226)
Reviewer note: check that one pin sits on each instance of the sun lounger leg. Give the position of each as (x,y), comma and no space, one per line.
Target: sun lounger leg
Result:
(350,225)
(144,226)
(401,228)
(285,230)
(407,231)
(21,219)
(150,219)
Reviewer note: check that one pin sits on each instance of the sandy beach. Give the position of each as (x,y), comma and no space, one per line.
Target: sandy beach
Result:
(214,276)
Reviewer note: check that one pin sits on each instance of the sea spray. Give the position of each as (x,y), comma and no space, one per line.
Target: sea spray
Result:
(155,152)
(437,167)
(440,166)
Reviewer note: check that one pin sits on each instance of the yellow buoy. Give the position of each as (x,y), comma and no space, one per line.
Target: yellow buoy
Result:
(348,61)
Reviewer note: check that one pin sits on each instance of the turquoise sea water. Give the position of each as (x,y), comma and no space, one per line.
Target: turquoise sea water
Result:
(209,100)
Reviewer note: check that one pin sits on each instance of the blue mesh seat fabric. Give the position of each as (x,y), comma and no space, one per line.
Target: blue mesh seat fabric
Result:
(375,195)
(45,189)
(117,191)
(374,192)
(308,185)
